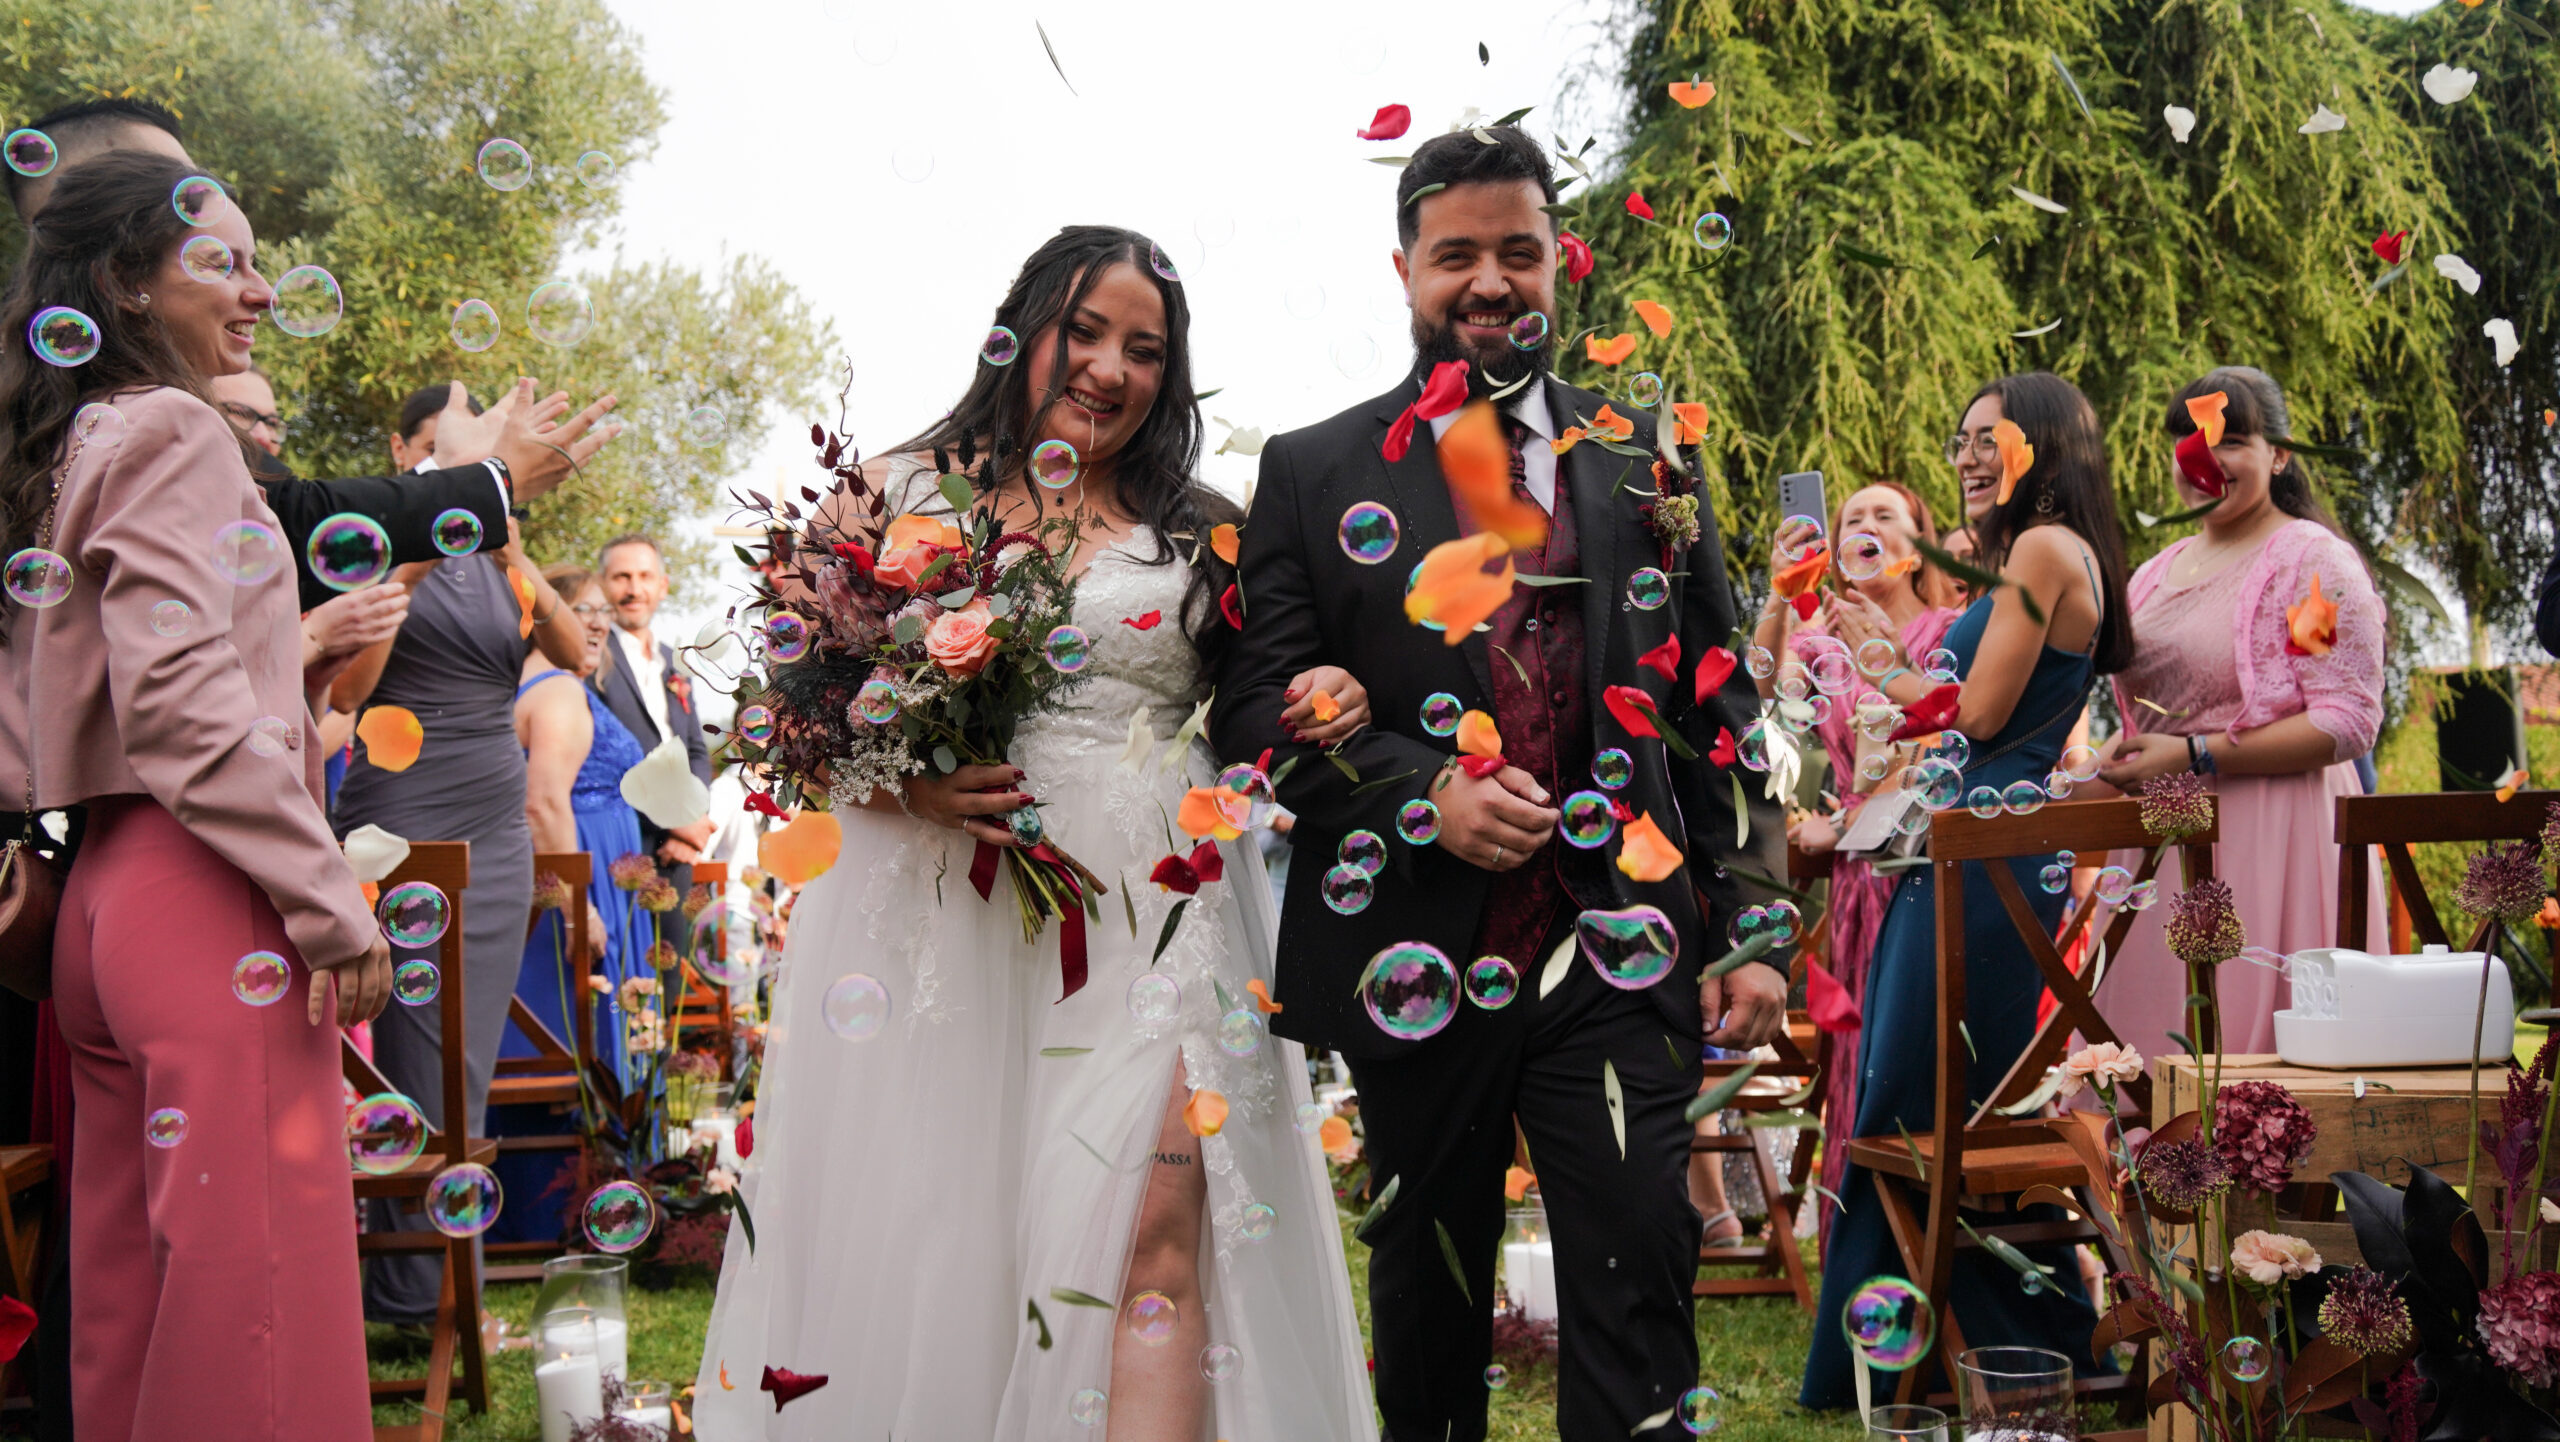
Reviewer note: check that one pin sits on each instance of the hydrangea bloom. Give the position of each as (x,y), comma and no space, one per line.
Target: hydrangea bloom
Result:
(2520,1322)
(2261,1133)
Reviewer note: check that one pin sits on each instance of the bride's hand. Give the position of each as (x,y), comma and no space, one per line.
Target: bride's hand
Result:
(1349,697)
(965,799)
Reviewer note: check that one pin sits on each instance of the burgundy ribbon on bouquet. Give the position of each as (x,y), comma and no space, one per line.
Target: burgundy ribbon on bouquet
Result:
(1072,964)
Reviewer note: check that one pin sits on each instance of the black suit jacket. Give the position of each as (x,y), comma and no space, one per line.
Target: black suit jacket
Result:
(2546,611)
(406,506)
(622,697)
(1307,603)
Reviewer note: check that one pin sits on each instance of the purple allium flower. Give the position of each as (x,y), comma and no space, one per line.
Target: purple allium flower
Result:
(631,871)
(2365,1313)
(2181,1176)
(658,894)
(697,900)
(2551,829)
(2504,882)
(2204,924)
(2175,805)
(2520,1321)
(2261,1133)
(550,893)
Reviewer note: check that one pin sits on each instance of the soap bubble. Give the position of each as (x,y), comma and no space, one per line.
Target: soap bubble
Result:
(1808,536)
(2080,763)
(458,533)
(1876,656)
(2142,895)
(1417,821)
(414,914)
(475,325)
(1890,1323)
(261,978)
(1701,1411)
(596,170)
(464,1199)
(1934,782)
(37,578)
(560,313)
(1861,556)
(1751,748)
(1785,919)
(1240,1032)
(913,163)
(1492,982)
(505,165)
(1588,821)
(1939,665)
(1953,748)
(1834,674)
(1613,768)
(1000,347)
(2245,1358)
(1712,231)
(2022,798)
(1497,1377)
(1410,990)
(619,1216)
(1648,588)
(1362,851)
(348,552)
(1151,1318)
(1441,713)
(270,736)
(856,1007)
(1759,662)
(1086,1407)
(1254,1222)
(30,152)
(755,724)
(2065,858)
(1871,767)
(194,199)
(1068,649)
(308,303)
(1154,998)
(1253,784)
(877,702)
(205,259)
(1347,889)
(2114,884)
(704,426)
(786,636)
(708,949)
(385,1133)
(61,336)
(1644,388)
(1982,801)
(1632,948)
(1310,1118)
(1749,922)
(2058,784)
(1530,331)
(1218,1361)
(2054,879)
(97,424)
(165,1127)
(416,982)
(1369,532)
(1055,464)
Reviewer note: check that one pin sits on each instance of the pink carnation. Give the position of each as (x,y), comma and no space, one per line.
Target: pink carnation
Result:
(2520,1322)
(2102,1064)
(2267,1258)
(2261,1134)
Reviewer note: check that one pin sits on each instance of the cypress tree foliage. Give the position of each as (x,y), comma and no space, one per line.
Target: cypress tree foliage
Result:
(1883,264)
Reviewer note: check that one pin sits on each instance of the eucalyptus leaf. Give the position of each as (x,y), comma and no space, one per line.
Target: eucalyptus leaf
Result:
(1349,772)
(1986,247)
(1713,1099)
(1129,905)
(1557,580)
(1367,786)
(1074,1298)
(2180,518)
(2188,1042)
(1398,161)
(746,1221)
(939,565)
(1615,1097)
(1803,1094)
(1525,378)
(1420,191)
(1035,1319)
(1561,209)
(1066,1050)
(1281,772)
(1377,1209)
(1164,938)
(1797,136)
(1449,1254)
(2072,85)
(1793,1121)
(907,630)
(1750,951)
(1514,117)
(1741,814)
(955,489)
(944,761)
(954,600)
(2409,587)
(1864,256)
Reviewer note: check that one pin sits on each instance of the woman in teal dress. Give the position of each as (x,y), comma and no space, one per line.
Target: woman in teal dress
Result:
(2054,535)
(576,752)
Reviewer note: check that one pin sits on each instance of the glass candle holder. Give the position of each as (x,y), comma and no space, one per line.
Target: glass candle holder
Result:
(568,1378)
(598,1286)
(1529,1263)
(2016,1394)
(1906,1424)
(652,1404)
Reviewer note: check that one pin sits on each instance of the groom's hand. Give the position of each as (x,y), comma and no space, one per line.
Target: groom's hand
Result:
(1496,822)
(1744,1007)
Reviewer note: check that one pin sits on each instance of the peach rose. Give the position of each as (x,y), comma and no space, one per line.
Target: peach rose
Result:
(2267,1258)
(958,641)
(909,546)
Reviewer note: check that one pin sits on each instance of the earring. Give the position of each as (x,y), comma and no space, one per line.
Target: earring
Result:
(143,296)
(2045,505)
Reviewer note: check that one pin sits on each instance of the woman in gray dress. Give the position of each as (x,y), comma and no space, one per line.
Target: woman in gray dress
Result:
(454,665)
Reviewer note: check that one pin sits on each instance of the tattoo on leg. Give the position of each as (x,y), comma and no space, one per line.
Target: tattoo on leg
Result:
(1172,1159)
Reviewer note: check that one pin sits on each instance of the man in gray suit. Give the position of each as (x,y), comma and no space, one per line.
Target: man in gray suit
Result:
(648,689)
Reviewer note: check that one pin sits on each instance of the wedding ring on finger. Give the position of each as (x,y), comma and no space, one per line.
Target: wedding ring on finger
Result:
(1497,856)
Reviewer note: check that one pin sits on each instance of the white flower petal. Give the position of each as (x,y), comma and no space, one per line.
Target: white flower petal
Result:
(2502,332)
(664,789)
(1142,743)
(374,852)
(2454,268)
(2550,1210)
(2323,121)
(2182,122)
(2446,84)
(2040,202)
(1243,440)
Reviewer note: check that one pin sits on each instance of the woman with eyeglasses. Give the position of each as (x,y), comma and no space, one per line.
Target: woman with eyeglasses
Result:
(2044,519)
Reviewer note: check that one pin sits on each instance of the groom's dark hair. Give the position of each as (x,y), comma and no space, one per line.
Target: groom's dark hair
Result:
(1459,158)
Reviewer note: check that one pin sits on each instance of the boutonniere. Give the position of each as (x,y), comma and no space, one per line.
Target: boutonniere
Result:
(1672,514)
(682,686)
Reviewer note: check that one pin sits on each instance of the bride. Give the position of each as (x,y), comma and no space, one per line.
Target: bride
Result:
(928,1200)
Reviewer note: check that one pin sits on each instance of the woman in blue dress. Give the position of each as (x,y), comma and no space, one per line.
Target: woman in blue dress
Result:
(575,754)
(2054,535)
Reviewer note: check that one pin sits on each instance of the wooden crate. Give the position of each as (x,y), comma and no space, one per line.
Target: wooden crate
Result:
(2413,1115)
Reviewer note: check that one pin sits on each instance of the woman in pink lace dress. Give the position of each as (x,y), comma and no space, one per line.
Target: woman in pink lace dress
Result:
(1894,594)
(2219,686)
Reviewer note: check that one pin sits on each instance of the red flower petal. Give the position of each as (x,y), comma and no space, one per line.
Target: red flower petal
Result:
(1207,863)
(746,1136)
(1391,121)
(1399,437)
(1636,205)
(1621,810)
(1930,714)
(2197,463)
(1829,1003)
(790,1386)
(763,805)
(1444,392)
(1714,669)
(1481,767)
(1664,658)
(1175,874)
(2387,245)
(860,559)
(1633,708)
(17,1324)
(1146,622)
(1231,606)
(1722,753)
(1577,256)
(1806,604)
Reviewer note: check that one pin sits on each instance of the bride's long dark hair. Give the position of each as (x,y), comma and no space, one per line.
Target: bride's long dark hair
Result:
(1154,475)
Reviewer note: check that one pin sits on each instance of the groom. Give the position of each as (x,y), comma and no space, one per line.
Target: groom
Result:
(1477,253)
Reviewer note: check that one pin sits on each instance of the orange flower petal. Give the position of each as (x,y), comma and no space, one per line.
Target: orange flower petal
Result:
(912,530)
(373,894)
(1688,97)
(1204,1113)
(1515,1183)
(391,736)
(523,588)
(1903,567)
(800,850)
(1455,589)
(1476,462)
(1613,425)
(1213,811)
(1222,541)
(1802,576)
(1608,352)
(725,1384)
(2550,417)
(2016,457)
(1324,706)
(1261,995)
(2513,782)
(1655,317)
(1477,735)
(1336,1139)
(2549,917)
(1572,437)
(2312,622)
(1644,853)
(1689,420)
(2206,411)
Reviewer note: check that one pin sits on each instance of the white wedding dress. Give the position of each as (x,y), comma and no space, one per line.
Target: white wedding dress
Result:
(912,1193)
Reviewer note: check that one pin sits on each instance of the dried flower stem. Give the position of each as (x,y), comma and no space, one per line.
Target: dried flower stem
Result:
(2479,1021)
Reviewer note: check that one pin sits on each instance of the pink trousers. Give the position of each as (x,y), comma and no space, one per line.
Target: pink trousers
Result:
(214,1281)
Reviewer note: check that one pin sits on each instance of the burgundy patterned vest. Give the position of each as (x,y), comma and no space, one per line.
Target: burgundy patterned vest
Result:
(1545,720)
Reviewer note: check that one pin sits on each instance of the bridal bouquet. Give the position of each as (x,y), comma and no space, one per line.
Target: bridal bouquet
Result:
(891,644)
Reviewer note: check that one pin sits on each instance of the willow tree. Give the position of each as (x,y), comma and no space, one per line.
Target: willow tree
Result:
(1927,195)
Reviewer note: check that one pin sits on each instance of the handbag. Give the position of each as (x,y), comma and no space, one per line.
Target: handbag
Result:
(30,887)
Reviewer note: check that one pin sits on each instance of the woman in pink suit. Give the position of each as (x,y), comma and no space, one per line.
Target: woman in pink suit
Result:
(2222,684)
(154,675)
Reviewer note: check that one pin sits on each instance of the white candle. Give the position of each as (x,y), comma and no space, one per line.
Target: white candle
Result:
(613,1347)
(722,1133)
(662,1418)
(1529,1270)
(569,1391)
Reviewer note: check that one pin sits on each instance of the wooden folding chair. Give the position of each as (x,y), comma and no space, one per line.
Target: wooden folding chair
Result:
(447,865)
(551,1077)
(1970,1155)
(2397,822)
(706,1009)
(26,1192)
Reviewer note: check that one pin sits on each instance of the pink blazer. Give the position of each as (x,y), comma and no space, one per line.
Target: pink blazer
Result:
(2342,691)
(106,704)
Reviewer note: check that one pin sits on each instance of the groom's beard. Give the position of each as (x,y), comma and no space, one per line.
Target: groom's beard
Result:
(1498,367)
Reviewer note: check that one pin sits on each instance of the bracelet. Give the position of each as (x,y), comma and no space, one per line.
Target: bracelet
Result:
(545,618)
(2204,756)
(1887,678)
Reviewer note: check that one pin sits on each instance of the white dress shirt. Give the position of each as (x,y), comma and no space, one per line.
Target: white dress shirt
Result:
(648,677)
(1537,463)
